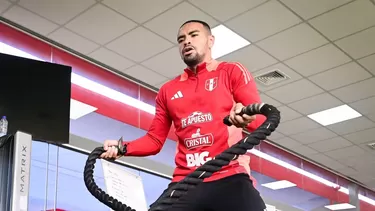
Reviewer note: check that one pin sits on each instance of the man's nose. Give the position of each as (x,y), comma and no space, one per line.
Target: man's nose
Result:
(187,42)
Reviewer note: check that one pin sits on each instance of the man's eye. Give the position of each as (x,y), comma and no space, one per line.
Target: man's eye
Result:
(194,35)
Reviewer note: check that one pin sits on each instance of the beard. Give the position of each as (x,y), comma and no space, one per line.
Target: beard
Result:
(193,59)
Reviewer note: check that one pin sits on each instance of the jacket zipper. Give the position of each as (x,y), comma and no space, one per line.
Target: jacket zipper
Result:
(196,86)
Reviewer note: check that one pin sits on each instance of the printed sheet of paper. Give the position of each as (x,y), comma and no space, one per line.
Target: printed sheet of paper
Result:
(124,186)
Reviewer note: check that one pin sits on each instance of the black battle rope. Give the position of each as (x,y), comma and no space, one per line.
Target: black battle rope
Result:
(196,177)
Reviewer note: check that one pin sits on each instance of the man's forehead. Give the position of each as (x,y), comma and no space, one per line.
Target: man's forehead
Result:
(191,27)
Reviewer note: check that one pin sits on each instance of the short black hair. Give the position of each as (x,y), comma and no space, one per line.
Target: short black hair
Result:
(205,25)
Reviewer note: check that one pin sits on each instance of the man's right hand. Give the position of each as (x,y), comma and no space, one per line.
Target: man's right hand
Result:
(110,146)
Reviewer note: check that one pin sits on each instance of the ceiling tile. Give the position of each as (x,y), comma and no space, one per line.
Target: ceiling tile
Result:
(367,179)
(288,113)
(139,44)
(314,135)
(361,137)
(292,91)
(330,144)
(340,76)
(227,9)
(351,126)
(303,150)
(315,103)
(30,20)
(346,19)
(370,152)
(368,63)
(287,142)
(111,59)
(251,57)
(56,10)
(267,99)
(355,161)
(293,76)
(159,85)
(175,17)
(308,9)
(348,171)
(168,63)
(100,28)
(371,116)
(371,184)
(357,91)
(140,10)
(260,24)
(297,126)
(359,161)
(318,60)
(345,152)
(365,106)
(359,45)
(145,75)
(4,5)
(74,41)
(326,161)
(291,42)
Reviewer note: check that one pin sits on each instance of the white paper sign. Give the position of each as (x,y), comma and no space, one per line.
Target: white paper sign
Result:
(124,186)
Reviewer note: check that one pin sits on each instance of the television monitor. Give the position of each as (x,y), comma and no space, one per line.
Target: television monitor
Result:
(35,98)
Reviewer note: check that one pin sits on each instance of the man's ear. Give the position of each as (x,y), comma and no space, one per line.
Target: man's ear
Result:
(211,41)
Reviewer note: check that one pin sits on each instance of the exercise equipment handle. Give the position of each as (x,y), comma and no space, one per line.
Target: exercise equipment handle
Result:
(250,110)
(173,194)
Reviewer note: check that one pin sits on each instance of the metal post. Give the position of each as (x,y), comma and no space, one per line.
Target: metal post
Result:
(21,171)
(15,159)
(6,158)
(353,196)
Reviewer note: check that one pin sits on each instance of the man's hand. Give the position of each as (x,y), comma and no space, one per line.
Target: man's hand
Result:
(237,120)
(110,146)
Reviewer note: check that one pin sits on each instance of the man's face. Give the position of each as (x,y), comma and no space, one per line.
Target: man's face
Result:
(194,42)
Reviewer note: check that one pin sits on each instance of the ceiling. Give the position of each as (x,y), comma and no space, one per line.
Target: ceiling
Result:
(328,55)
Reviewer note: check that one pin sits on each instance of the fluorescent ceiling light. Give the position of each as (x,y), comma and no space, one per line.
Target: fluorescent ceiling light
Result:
(148,108)
(110,93)
(334,115)
(79,109)
(226,41)
(279,185)
(342,206)
(6,49)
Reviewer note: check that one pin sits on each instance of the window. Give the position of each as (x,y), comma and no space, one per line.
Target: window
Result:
(56,178)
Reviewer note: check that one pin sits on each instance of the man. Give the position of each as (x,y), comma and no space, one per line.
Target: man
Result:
(197,102)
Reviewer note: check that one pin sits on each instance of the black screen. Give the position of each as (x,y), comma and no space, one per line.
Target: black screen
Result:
(35,98)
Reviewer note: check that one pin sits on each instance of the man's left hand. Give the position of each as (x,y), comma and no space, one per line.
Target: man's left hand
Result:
(238,120)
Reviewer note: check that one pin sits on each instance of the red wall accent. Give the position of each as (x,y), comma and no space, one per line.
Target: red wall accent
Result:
(140,119)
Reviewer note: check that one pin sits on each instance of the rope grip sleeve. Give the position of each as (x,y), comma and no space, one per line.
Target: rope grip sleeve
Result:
(249,110)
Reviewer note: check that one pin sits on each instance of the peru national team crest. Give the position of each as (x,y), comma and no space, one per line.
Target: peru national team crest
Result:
(211,84)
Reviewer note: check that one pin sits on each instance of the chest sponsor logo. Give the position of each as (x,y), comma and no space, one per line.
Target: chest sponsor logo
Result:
(197,159)
(211,84)
(196,118)
(199,140)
